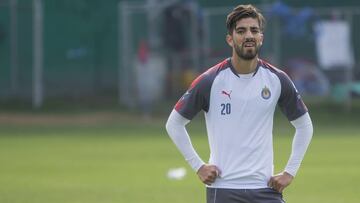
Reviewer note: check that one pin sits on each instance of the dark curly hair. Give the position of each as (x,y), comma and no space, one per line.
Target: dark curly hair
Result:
(244,11)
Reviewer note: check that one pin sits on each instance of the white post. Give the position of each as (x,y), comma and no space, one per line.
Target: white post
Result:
(276,41)
(14,46)
(152,10)
(124,54)
(194,29)
(206,41)
(37,97)
(349,70)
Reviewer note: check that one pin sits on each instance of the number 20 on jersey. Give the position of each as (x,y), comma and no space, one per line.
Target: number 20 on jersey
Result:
(225,108)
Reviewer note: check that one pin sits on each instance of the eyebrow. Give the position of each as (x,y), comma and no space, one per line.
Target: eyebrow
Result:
(242,28)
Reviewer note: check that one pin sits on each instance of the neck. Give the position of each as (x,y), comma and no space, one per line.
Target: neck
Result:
(244,66)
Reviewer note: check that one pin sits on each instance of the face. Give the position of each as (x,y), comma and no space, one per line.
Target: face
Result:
(246,38)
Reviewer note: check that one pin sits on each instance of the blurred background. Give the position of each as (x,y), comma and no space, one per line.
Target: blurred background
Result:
(137,53)
(86,87)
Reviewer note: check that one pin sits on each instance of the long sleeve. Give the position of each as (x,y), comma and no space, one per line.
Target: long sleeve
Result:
(301,141)
(175,127)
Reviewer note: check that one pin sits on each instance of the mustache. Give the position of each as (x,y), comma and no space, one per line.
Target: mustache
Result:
(249,40)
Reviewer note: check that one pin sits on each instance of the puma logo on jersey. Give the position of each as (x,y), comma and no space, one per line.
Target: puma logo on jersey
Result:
(227,94)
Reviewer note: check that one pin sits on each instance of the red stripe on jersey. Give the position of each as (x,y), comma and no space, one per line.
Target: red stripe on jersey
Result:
(179,104)
(216,68)
(197,80)
(270,66)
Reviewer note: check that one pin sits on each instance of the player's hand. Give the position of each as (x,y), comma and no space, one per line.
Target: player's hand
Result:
(280,181)
(208,173)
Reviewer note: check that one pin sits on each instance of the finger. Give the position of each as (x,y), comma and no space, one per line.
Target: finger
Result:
(214,168)
(213,174)
(205,180)
(218,171)
(210,178)
(208,182)
(270,183)
(275,186)
(281,189)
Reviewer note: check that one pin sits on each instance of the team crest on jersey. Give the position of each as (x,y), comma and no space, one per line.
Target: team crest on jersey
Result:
(265,93)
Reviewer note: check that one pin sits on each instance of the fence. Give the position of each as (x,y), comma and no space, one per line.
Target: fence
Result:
(79,43)
(291,44)
(91,49)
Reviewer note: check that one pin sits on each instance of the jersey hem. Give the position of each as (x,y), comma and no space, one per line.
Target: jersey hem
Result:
(238,186)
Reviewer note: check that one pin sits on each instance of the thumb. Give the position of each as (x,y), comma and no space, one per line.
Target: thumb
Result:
(270,183)
(218,171)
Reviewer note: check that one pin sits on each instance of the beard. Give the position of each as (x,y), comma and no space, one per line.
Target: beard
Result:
(246,54)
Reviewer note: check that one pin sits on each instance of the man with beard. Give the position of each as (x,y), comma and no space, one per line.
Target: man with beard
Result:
(239,97)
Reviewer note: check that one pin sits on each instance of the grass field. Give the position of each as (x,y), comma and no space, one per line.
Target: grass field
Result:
(111,157)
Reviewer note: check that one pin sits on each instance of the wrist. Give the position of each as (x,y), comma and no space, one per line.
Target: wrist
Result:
(285,172)
(288,174)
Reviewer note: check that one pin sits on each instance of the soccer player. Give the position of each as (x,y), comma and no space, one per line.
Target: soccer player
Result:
(239,96)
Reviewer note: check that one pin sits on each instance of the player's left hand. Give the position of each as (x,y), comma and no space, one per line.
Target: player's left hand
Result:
(280,181)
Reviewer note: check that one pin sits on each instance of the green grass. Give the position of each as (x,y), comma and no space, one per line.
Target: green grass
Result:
(125,161)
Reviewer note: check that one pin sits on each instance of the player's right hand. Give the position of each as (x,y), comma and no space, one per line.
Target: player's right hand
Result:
(208,173)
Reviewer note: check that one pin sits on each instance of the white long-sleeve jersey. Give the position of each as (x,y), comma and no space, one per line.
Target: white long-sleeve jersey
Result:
(239,112)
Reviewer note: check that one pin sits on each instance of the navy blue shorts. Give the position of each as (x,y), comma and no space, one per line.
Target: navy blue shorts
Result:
(263,195)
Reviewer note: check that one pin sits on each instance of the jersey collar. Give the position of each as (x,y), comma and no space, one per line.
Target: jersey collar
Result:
(234,71)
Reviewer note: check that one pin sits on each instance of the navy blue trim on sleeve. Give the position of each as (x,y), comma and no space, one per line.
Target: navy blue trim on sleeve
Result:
(290,100)
(197,97)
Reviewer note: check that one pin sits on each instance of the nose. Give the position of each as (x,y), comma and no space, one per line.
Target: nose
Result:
(249,35)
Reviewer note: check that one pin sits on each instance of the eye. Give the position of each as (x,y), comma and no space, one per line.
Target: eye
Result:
(255,30)
(240,31)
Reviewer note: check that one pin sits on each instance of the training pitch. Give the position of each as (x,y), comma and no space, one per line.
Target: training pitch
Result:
(110,157)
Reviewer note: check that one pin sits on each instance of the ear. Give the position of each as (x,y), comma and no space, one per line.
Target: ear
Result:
(229,40)
(261,39)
